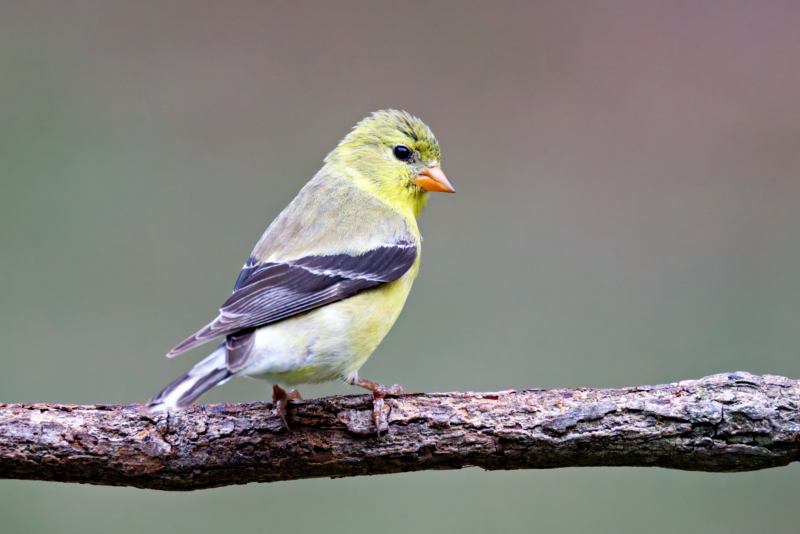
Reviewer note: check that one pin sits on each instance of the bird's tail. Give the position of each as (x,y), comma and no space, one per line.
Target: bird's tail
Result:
(188,388)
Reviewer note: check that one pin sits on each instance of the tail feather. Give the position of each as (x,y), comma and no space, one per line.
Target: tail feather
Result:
(191,386)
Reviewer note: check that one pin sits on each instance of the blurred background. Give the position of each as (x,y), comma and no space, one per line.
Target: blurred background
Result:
(628,212)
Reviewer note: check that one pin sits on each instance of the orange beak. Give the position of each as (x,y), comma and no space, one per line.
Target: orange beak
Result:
(433,179)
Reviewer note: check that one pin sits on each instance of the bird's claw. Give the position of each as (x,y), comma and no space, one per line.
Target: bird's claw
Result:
(281,398)
(377,412)
(379,391)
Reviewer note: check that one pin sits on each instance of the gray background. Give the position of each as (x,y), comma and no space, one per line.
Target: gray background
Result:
(628,180)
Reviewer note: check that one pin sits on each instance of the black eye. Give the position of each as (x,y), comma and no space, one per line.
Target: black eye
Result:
(402,152)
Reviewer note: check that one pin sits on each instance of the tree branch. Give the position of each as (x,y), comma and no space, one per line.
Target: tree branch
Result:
(727,422)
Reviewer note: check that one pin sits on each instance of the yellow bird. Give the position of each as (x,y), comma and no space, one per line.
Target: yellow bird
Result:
(329,277)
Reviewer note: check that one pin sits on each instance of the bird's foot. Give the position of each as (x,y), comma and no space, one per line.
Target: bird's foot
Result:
(280,398)
(379,391)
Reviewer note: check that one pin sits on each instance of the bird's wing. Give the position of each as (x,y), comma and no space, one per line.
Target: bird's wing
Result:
(269,292)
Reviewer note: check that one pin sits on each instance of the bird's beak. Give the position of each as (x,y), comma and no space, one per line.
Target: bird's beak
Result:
(433,179)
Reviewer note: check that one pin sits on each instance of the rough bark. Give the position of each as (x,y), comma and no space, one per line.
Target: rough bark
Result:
(725,423)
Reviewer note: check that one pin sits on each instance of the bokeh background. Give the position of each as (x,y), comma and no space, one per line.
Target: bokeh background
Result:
(628,212)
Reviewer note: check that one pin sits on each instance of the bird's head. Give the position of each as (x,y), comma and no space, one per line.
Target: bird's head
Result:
(395,156)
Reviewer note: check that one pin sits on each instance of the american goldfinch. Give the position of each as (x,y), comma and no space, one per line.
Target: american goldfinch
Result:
(329,277)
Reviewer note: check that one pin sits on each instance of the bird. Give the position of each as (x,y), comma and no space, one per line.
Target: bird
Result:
(330,275)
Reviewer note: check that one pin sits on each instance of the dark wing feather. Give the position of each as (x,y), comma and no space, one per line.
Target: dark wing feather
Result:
(237,349)
(270,292)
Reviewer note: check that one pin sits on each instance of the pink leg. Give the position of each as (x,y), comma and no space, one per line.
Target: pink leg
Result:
(280,398)
(379,391)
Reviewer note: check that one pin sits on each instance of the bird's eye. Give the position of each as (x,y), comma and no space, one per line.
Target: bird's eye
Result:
(402,152)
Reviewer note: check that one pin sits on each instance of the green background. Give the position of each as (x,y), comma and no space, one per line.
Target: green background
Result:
(628,212)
